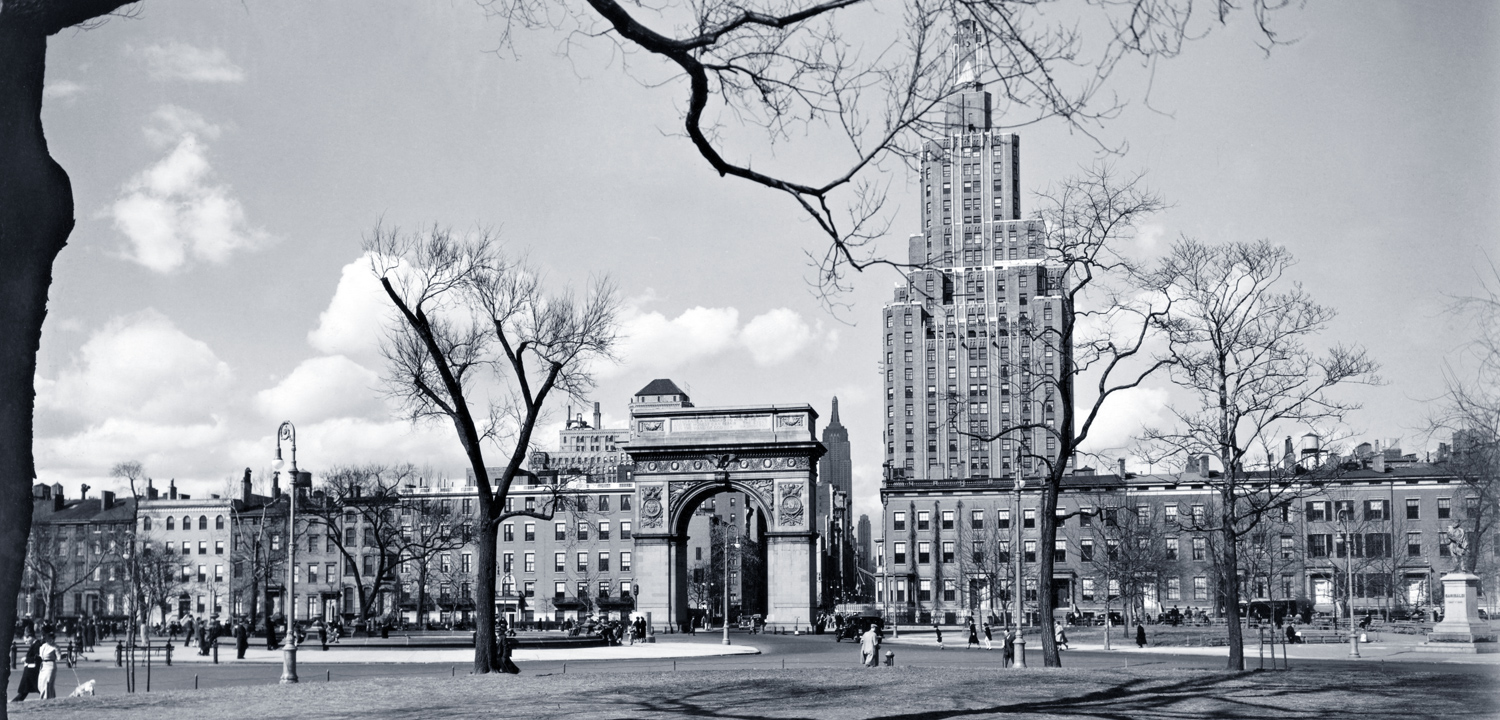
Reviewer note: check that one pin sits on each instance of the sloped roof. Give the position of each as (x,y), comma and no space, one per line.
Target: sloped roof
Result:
(660,386)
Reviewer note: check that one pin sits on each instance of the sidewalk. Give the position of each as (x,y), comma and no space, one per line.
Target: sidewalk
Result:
(313,653)
(1393,649)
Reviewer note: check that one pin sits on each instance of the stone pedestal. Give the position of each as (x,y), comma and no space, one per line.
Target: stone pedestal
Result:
(1461,629)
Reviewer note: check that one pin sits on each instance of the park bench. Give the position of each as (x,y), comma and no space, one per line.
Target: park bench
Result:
(67,652)
(143,651)
(1323,636)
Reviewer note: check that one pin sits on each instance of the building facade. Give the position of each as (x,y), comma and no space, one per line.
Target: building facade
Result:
(1373,536)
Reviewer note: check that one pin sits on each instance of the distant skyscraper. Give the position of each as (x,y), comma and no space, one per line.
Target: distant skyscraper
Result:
(835,468)
(963,346)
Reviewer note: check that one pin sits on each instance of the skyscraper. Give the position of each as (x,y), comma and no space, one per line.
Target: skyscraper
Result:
(965,348)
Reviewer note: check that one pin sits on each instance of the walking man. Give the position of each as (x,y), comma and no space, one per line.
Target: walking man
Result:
(1140,635)
(939,633)
(973,636)
(32,668)
(989,640)
(869,648)
(241,640)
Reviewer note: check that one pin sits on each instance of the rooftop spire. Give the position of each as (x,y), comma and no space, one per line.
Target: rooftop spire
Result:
(834,419)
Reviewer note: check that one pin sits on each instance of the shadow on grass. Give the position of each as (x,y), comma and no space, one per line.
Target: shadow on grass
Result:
(1251,695)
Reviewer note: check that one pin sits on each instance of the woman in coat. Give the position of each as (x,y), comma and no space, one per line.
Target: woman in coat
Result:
(33,665)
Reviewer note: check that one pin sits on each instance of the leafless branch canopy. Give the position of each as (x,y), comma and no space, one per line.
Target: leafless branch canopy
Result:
(841,70)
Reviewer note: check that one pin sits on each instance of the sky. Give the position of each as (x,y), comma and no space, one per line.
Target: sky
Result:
(227,159)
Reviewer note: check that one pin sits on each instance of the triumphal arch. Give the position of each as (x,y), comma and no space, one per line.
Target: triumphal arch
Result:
(682,456)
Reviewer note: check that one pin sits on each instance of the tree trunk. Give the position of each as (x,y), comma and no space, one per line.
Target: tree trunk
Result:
(1229,575)
(1045,565)
(486,659)
(36,216)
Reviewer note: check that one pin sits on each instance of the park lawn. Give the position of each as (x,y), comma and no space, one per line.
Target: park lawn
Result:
(831,694)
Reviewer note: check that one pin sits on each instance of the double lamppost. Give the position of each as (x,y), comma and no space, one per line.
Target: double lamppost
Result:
(288,432)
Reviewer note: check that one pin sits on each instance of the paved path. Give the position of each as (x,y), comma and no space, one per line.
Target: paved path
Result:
(1396,647)
(340,655)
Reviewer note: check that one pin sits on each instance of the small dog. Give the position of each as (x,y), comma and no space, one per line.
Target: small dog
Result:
(84,689)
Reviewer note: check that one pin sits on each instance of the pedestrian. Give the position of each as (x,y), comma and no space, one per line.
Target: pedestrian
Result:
(323,635)
(1009,649)
(241,640)
(869,648)
(989,640)
(939,633)
(1061,637)
(187,633)
(46,677)
(29,671)
(973,636)
(1140,635)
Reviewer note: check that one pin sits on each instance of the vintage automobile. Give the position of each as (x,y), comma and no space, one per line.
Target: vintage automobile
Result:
(857,619)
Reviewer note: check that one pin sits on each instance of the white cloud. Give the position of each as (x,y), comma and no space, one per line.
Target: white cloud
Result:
(347,440)
(1124,416)
(652,342)
(163,448)
(775,336)
(321,388)
(355,318)
(172,211)
(139,367)
(61,90)
(181,61)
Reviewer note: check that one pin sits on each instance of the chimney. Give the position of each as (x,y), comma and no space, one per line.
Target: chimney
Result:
(598,418)
(41,492)
(151,492)
(83,491)
(245,487)
(1203,466)
(57,491)
(1122,468)
(1377,462)
(172,489)
(106,500)
(275,484)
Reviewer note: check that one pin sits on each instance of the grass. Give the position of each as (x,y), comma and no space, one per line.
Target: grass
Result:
(833,694)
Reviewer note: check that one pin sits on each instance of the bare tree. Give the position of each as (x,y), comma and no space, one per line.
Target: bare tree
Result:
(430,529)
(477,331)
(876,91)
(1128,548)
(1239,346)
(256,566)
(358,507)
(1060,374)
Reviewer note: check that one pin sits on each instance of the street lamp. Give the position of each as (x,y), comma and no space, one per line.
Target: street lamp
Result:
(288,432)
(1344,520)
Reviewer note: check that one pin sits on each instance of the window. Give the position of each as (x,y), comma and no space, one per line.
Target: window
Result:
(1200,588)
(1288,547)
(583,562)
(1376,510)
(202,573)
(947,519)
(202,522)
(1060,551)
(1029,548)
(898,553)
(948,550)
(1319,545)
(187,547)
(1170,513)
(218,547)
(530,564)
(950,591)
(1086,589)
(1343,510)
(976,519)
(219,574)
(924,590)
(898,520)
(625,561)
(559,531)
(1414,544)
(604,563)
(466,563)
(1002,519)
(1113,588)
(583,531)
(559,562)
(1445,548)
(924,520)
(1171,548)
(1028,518)
(312,573)
(924,552)
(624,529)
(1317,511)
(170,523)
(603,527)
(1200,548)
(202,547)
(508,562)
(1174,588)
(559,590)
(508,532)
(530,532)
(1444,509)
(219,522)
(1086,550)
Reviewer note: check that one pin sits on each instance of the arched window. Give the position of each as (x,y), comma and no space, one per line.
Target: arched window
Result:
(187,523)
(169,522)
(146,523)
(219,522)
(202,522)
